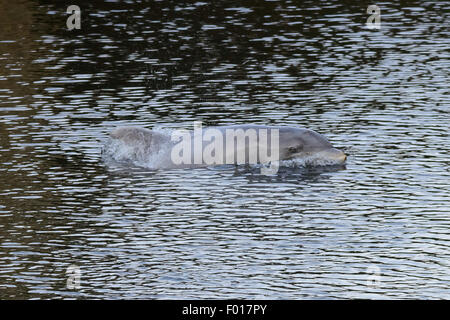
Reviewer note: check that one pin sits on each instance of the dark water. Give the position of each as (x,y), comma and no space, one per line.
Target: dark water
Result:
(377,229)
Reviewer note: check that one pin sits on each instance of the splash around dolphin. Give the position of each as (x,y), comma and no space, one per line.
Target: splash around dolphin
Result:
(236,144)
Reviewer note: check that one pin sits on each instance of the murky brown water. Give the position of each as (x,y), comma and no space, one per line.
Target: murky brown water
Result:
(378,229)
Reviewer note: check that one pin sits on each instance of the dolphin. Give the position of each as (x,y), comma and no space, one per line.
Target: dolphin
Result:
(236,144)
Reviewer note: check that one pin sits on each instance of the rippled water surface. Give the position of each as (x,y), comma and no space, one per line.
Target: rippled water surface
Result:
(378,228)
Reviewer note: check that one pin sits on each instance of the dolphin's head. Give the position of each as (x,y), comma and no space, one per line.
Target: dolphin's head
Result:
(297,143)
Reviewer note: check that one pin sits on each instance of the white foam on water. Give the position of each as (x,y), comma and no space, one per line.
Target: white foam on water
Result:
(310,161)
(117,153)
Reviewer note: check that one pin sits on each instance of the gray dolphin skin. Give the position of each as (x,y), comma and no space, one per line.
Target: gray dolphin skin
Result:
(138,145)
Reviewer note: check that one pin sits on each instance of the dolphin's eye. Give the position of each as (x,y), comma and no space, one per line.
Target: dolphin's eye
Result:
(295,149)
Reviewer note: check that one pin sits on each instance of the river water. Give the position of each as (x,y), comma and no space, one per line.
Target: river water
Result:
(71,227)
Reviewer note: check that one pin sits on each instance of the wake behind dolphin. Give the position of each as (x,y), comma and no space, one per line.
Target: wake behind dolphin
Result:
(237,144)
